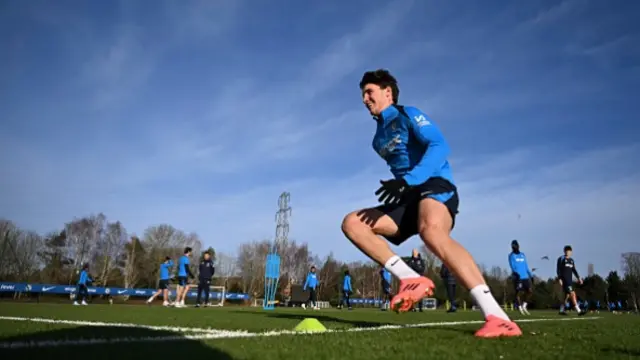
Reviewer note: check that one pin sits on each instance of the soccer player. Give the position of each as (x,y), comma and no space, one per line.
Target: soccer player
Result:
(311,283)
(385,281)
(522,277)
(82,290)
(565,269)
(205,275)
(183,272)
(450,281)
(163,284)
(346,291)
(416,263)
(421,198)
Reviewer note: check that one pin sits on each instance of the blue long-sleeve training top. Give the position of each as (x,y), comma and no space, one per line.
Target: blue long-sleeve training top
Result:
(519,266)
(311,282)
(165,269)
(183,267)
(84,278)
(412,145)
(346,283)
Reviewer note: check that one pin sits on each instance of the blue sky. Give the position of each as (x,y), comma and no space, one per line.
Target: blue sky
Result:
(200,113)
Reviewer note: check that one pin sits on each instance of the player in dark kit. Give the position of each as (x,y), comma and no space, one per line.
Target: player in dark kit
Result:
(206,274)
(421,198)
(416,263)
(566,269)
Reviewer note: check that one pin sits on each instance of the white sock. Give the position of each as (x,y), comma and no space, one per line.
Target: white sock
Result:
(524,305)
(487,303)
(577,308)
(399,268)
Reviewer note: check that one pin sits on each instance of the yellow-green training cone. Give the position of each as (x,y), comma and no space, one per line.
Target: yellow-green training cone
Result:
(310,325)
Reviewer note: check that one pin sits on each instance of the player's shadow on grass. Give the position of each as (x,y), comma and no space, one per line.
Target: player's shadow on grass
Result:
(354,323)
(109,343)
(620,351)
(325,318)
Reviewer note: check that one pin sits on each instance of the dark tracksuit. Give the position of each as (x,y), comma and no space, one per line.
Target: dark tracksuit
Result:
(450,282)
(206,273)
(417,265)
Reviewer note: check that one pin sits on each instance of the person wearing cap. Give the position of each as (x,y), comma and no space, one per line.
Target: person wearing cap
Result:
(522,277)
(566,269)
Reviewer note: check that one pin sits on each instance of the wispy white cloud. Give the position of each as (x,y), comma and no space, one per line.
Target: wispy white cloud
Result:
(162,122)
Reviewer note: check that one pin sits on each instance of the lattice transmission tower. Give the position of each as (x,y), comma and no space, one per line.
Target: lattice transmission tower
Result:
(282,223)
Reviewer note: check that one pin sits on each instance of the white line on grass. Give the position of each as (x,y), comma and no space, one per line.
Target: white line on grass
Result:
(210,334)
(124,325)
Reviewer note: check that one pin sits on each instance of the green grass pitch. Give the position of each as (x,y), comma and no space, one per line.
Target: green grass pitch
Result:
(121,332)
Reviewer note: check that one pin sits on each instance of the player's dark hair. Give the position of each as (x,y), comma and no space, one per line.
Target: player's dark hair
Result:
(346,272)
(167,258)
(384,79)
(568,248)
(187,250)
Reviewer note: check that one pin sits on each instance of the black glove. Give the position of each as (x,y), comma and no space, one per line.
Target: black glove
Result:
(392,191)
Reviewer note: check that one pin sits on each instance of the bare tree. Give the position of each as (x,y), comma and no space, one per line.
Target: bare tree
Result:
(251,264)
(82,238)
(329,277)
(165,240)
(110,246)
(431,261)
(18,252)
(8,238)
(631,267)
(226,267)
(133,262)
(295,261)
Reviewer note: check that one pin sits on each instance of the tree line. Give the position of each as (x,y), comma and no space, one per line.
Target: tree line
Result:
(120,259)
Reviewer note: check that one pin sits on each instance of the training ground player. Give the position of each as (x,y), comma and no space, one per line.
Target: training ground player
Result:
(421,198)
(346,291)
(163,284)
(416,263)
(184,273)
(82,290)
(385,284)
(205,274)
(450,283)
(522,277)
(566,269)
(311,283)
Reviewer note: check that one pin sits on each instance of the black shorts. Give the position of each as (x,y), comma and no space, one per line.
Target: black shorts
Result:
(405,215)
(567,287)
(163,284)
(182,280)
(523,285)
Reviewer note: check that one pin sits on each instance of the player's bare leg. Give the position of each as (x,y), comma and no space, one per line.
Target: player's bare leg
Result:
(576,306)
(362,228)
(153,297)
(184,293)
(178,295)
(434,227)
(527,298)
